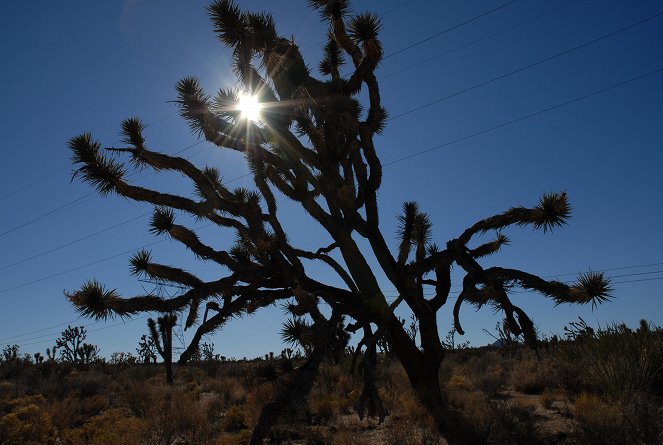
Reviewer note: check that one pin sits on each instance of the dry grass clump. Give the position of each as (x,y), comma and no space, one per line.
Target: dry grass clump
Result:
(233,420)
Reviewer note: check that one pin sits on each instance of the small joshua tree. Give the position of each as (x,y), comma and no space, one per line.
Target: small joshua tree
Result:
(72,346)
(9,353)
(146,350)
(161,333)
(314,145)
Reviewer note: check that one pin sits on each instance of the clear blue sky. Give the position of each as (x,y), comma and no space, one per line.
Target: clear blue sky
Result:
(71,67)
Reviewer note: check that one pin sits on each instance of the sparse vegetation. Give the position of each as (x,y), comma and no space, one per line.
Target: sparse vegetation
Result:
(127,402)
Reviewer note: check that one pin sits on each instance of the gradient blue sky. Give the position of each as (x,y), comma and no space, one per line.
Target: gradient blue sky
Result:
(70,67)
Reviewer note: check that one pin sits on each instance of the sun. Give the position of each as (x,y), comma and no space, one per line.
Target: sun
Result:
(249,107)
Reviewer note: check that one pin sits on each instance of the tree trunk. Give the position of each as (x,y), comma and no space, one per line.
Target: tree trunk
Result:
(168,355)
(298,389)
(423,373)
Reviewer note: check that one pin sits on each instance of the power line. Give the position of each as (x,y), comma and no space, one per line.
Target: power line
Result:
(423,151)
(75,241)
(78,267)
(414,109)
(40,330)
(90,331)
(71,203)
(388,297)
(66,167)
(547,59)
(103,230)
(449,29)
(466,45)
(90,264)
(513,121)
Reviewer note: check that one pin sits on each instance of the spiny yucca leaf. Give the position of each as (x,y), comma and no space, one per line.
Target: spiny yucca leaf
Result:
(263,31)
(364,27)
(405,229)
(240,254)
(166,322)
(213,176)
(162,220)
(490,247)
(552,211)
(380,121)
(92,300)
(246,196)
(421,230)
(194,106)
(98,170)
(331,9)
(228,20)
(140,262)
(296,331)
(333,57)
(132,132)
(226,104)
(592,287)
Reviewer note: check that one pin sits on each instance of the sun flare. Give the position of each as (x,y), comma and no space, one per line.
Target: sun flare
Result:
(249,107)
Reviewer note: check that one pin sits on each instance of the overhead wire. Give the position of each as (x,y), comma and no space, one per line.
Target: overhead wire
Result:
(531,65)
(67,167)
(440,33)
(70,203)
(77,200)
(481,39)
(527,116)
(414,154)
(52,339)
(501,125)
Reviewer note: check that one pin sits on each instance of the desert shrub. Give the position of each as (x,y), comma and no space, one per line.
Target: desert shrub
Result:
(233,420)
(230,390)
(457,382)
(548,398)
(601,421)
(527,377)
(491,381)
(27,424)
(616,361)
(597,422)
(112,427)
(138,398)
(240,438)
(325,408)
(73,412)
(496,422)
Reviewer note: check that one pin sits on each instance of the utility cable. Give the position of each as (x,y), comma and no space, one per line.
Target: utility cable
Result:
(71,203)
(50,175)
(522,118)
(473,42)
(526,67)
(75,241)
(417,43)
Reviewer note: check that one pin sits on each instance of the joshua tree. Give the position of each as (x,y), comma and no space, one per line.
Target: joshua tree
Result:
(165,331)
(313,144)
(146,350)
(73,348)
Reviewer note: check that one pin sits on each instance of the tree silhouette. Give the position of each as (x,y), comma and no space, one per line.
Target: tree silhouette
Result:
(314,145)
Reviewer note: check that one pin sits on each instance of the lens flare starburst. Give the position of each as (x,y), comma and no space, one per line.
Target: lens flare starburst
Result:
(249,107)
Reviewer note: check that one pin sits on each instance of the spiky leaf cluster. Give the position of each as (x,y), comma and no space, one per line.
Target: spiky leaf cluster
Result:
(96,169)
(162,221)
(94,301)
(331,9)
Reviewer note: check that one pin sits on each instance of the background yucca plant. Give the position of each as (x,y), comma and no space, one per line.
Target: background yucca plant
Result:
(616,360)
